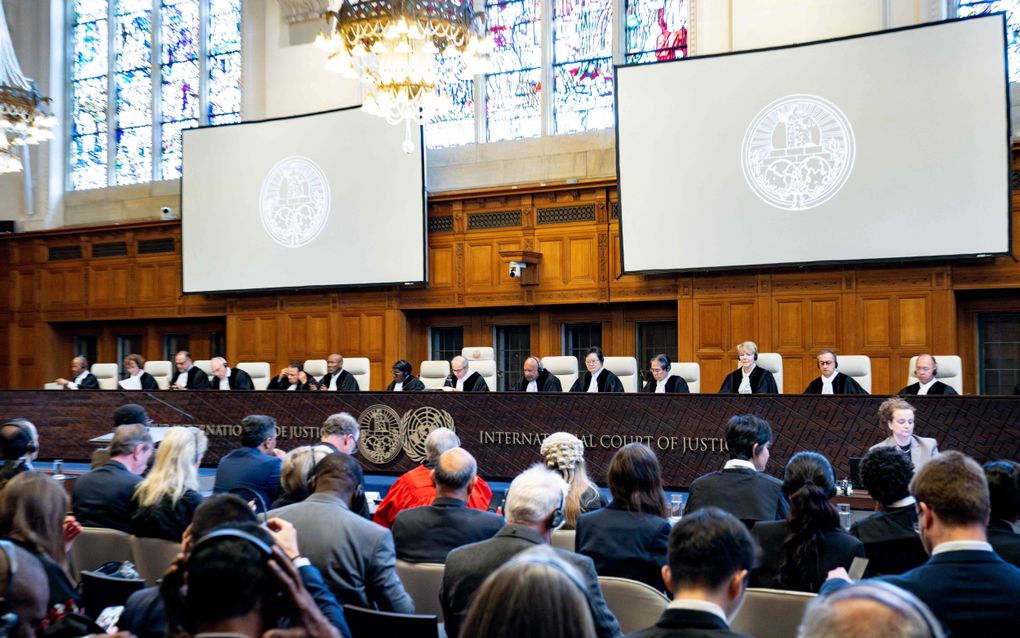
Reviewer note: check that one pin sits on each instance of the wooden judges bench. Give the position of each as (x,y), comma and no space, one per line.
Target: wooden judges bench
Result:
(504,430)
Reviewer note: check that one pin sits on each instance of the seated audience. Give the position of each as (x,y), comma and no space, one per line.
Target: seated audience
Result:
(296,472)
(898,415)
(537,379)
(415,488)
(336,378)
(628,537)
(749,378)
(102,498)
(19,445)
(969,588)
(889,535)
(534,508)
(564,453)
(831,381)
(662,381)
(926,369)
(710,555)
(596,378)
(165,500)
(742,488)
(28,593)
(1004,493)
(798,553)
(534,594)
(81,378)
(355,556)
(873,609)
(403,380)
(227,378)
(427,534)
(340,433)
(127,414)
(188,376)
(462,379)
(33,514)
(138,378)
(252,471)
(292,378)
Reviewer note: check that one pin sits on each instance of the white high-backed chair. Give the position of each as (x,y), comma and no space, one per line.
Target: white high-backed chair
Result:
(486,368)
(773,362)
(950,371)
(858,367)
(258,371)
(361,368)
(107,374)
(205,365)
(315,368)
(627,369)
(689,372)
(478,353)
(161,371)
(563,368)
(434,373)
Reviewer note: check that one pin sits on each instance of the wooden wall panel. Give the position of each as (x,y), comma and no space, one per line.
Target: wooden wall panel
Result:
(825,325)
(63,287)
(875,323)
(914,321)
(108,285)
(441,270)
(157,282)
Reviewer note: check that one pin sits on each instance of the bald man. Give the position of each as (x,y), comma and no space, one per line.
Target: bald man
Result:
(462,379)
(227,378)
(427,534)
(337,379)
(926,369)
(537,379)
(81,378)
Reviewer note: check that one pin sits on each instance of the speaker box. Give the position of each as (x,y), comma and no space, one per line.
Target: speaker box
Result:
(6,226)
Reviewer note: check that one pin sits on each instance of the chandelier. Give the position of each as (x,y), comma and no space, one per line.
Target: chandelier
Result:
(25,116)
(405,52)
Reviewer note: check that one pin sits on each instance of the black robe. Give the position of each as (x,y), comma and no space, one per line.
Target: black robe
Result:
(411,384)
(472,383)
(197,380)
(90,382)
(238,380)
(762,382)
(345,382)
(606,382)
(148,382)
(842,384)
(937,388)
(673,384)
(546,382)
(282,384)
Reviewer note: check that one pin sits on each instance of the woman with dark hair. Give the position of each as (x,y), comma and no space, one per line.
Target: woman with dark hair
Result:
(798,553)
(629,537)
(403,380)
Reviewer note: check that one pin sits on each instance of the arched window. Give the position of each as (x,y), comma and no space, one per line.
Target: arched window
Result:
(967,8)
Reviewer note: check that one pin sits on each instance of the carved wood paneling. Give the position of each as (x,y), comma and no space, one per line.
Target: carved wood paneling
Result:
(108,286)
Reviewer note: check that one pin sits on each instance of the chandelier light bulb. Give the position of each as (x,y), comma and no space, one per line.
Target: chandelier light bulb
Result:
(404,47)
(321,43)
(359,50)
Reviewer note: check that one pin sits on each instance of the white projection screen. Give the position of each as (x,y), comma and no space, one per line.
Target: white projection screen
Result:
(328,199)
(887,146)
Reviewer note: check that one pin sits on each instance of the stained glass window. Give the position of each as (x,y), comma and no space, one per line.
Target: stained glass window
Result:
(582,65)
(1012,9)
(456,126)
(156,93)
(656,30)
(513,91)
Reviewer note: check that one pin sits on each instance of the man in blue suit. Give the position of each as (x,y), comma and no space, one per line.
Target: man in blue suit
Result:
(970,589)
(252,471)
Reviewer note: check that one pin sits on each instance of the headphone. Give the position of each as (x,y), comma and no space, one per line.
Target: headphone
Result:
(533,558)
(835,359)
(900,600)
(8,617)
(194,432)
(557,519)
(20,423)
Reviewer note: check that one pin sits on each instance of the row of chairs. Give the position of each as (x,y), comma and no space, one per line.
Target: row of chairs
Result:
(97,546)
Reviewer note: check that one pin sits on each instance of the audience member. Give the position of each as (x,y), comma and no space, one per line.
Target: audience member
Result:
(403,380)
(127,414)
(296,473)
(102,498)
(252,471)
(926,369)
(536,378)
(749,378)
(534,508)
(165,500)
(798,553)
(970,589)
(742,488)
(889,536)
(710,555)
(137,377)
(462,379)
(427,534)
(898,415)
(188,376)
(340,433)
(662,382)
(535,594)
(24,580)
(596,378)
(564,453)
(1004,495)
(227,378)
(873,609)
(81,378)
(628,537)
(336,378)
(293,378)
(355,556)
(19,445)
(415,488)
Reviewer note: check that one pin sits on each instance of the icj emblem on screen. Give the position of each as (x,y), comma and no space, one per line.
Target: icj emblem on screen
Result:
(798,152)
(294,202)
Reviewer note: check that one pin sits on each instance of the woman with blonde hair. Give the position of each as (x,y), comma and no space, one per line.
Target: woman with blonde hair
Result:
(296,472)
(898,416)
(749,378)
(165,500)
(564,453)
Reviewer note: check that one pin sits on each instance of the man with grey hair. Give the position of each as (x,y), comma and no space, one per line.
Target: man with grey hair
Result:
(874,609)
(340,433)
(534,509)
(427,534)
(81,378)
(416,489)
(462,379)
(227,378)
(102,498)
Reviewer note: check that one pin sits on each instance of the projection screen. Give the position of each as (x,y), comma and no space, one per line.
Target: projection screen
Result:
(886,146)
(327,199)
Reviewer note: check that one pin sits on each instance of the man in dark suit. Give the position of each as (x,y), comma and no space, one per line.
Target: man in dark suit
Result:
(1004,491)
(187,377)
(252,471)
(970,589)
(81,378)
(293,378)
(336,378)
(462,379)
(926,369)
(340,432)
(710,556)
(403,380)
(596,378)
(831,381)
(537,378)
(19,445)
(102,497)
(534,508)
(662,382)
(227,378)
(742,488)
(890,540)
(427,534)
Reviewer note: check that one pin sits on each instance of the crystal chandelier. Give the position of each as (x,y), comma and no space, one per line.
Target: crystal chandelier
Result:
(402,50)
(25,116)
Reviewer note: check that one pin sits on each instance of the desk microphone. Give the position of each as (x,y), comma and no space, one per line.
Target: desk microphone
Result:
(173,407)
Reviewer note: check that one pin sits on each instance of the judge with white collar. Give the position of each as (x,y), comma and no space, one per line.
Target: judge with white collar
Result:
(81,378)
(596,378)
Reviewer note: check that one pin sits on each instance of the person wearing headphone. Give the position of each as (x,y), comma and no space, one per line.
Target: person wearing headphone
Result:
(749,378)
(662,382)
(26,592)
(403,380)
(536,378)
(19,445)
(871,608)
(81,378)
(831,381)
(926,369)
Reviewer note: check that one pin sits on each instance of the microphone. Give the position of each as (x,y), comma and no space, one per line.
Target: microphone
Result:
(173,407)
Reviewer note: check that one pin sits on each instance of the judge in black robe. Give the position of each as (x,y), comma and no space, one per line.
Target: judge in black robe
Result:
(841,384)
(402,375)
(197,380)
(293,376)
(605,381)
(81,378)
(762,381)
(926,369)
(236,378)
(660,368)
(472,381)
(535,371)
(673,385)
(344,380)
(936,388)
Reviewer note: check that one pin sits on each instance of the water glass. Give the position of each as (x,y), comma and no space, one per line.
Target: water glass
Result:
(845,517)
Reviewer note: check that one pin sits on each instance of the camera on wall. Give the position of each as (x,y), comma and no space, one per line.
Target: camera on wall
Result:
(167,214)
(516,268)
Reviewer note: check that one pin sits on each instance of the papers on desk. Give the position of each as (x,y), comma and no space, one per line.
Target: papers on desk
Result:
(131,383)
